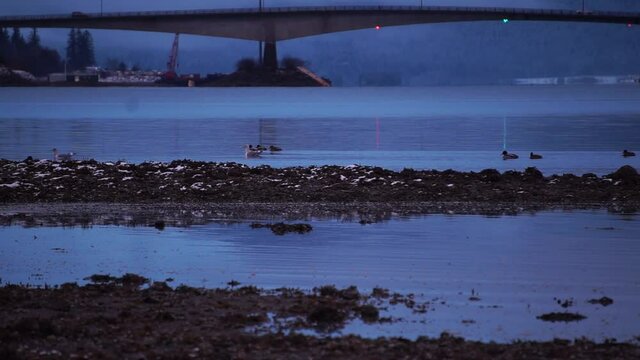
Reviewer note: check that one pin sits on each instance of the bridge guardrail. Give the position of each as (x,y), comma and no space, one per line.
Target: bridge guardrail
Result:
(328,9)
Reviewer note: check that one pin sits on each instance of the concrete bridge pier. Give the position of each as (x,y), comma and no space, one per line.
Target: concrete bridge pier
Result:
(270,58)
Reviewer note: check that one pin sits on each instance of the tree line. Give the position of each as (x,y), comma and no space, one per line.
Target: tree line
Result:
(80,50)
(16,52)
(29,54)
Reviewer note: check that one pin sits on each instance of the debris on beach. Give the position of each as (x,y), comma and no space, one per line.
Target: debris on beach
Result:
(604,301)
(282,228)
(561,317)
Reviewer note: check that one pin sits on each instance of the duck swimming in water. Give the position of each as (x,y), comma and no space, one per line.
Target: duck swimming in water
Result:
(274,148)
(508,156)
(62,157)
(627,153)
(533,156)
(251,152)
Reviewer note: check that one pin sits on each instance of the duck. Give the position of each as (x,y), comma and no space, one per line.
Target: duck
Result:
(57,156)
(627,153)
(274,148)
(533,156)
(260,147)
(508,156)
(251,152)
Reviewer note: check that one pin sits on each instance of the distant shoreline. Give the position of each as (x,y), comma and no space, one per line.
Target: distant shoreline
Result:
(280,78)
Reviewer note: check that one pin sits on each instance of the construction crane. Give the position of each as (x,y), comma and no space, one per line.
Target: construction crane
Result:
(172,64)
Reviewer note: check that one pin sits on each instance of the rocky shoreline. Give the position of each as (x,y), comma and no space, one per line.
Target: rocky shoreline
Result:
(185,181)
(132,317)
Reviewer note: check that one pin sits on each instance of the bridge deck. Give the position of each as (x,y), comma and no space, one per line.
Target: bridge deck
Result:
(317,9)
(284,23)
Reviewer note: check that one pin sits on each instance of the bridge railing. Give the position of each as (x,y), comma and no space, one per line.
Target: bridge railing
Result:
(273,10)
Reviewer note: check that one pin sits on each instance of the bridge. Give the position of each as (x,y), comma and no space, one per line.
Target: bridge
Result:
(271,25)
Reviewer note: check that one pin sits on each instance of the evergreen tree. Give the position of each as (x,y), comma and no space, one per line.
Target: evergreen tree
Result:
(17,41)
(72,50)
(86,56)
(29,55)
(5,43)
(80,50)
(34,39)
(49,61)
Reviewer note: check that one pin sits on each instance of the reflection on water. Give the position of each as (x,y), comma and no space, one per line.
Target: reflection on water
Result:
(578,130)
(569,145)
(517,265)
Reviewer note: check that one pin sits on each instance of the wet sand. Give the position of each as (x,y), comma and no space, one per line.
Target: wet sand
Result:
(128,317)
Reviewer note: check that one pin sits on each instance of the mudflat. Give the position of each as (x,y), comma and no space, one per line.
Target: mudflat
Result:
(131,317)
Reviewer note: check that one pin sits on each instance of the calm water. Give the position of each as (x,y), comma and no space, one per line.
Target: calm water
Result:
(517,264)
(577,129)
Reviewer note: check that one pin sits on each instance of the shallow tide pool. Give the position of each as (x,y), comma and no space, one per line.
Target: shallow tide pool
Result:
(519,266)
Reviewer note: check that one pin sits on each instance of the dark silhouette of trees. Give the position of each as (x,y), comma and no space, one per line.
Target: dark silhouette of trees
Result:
(248,65)
(17,41)
(29,55)
(5,43)
(34,39)
(86,51)
(72,50)
(80,50)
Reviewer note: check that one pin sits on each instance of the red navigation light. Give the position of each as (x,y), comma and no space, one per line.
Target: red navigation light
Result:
(377,27)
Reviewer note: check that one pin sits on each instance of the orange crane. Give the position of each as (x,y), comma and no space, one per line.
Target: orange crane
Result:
(172,64)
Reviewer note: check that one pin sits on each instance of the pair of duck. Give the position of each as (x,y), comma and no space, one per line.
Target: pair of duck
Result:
(57,156)
(254,152)
(509,156)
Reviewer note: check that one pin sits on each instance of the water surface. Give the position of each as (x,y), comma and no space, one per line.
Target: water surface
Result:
(517,264)
(577,129)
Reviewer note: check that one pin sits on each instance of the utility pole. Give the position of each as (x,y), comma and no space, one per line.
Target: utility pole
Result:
(101,7)
(583,6)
